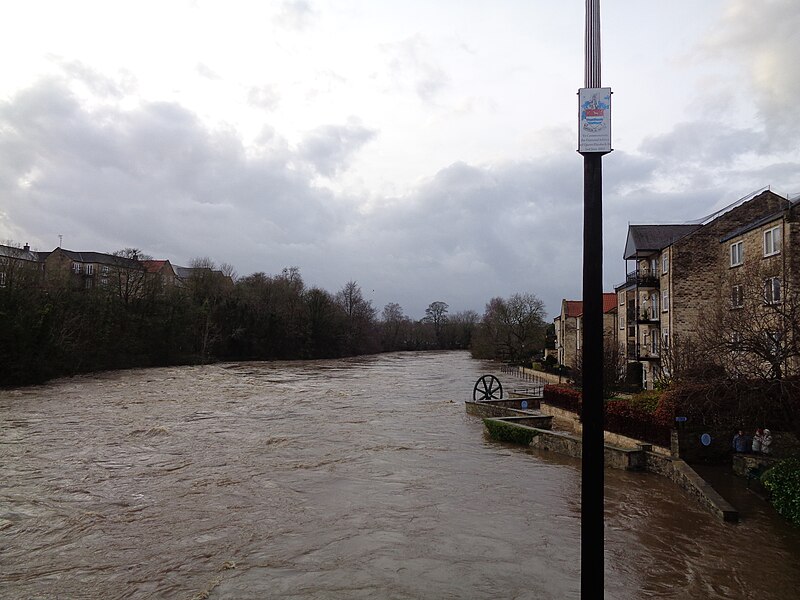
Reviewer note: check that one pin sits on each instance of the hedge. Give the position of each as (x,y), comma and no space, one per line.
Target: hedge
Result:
(783,483)
(564,397)
(648,417)
(506,432)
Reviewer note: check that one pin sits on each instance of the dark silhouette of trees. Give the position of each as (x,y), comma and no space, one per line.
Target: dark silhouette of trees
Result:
(511,329)
(135,316)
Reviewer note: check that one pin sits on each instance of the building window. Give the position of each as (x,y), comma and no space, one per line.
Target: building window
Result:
(736,340)
(621,298)
(77,267)
(772,290)
(774,339)
(772,241)
(90,269)
(104,280)
(87,283)
(737,296)
(665,301)
(737,254)
(665,338)
(2,279)
(104,269)
(664,263)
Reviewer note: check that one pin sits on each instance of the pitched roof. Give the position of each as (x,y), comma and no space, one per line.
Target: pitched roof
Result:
(21,253)
(154,266)
(100,258)
(609,301)
(653,238)
(574,308)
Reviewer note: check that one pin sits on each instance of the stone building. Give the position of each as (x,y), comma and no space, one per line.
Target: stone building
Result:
(684,273)
(569,328)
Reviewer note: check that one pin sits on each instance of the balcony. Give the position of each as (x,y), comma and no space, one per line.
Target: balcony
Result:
(640,352)
(643,277)
(648,316)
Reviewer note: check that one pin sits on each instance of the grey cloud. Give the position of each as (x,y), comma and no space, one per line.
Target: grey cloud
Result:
(766,35)
(411,64)
(265,97)
(207,72)
(154,176)
(329,148)
(98,84)
(709,143)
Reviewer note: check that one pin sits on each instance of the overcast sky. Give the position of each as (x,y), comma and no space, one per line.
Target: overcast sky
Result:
(424,149)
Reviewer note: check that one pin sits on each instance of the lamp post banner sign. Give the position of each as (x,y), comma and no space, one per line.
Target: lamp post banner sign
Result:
(594,126)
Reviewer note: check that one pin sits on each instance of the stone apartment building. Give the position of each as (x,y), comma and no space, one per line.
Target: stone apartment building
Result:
(569,328)
(683,274)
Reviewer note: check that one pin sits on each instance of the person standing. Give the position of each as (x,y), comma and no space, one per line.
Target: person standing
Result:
(739,442)
(757,440)
(766,442)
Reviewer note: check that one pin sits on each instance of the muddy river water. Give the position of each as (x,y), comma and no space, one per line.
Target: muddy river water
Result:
(355,478)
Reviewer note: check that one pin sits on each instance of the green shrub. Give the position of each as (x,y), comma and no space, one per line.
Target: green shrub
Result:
(506,432)
(646,401)
(783,483)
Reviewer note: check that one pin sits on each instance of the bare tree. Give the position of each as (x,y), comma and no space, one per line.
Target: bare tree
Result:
(436,315)
(753,328)
(359,317)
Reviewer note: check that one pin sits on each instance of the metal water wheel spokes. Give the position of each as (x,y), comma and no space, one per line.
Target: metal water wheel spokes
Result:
(487,387)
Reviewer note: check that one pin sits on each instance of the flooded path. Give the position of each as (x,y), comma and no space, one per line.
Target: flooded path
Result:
(355,478)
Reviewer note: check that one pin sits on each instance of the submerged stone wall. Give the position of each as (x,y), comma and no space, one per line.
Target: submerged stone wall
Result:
(642,457)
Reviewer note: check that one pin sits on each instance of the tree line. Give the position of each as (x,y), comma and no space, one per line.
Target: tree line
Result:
(54,328)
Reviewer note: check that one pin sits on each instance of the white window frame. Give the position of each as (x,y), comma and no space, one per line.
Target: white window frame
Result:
(665,338)
(772,290)
(2,279)
(90,269)
(737,254)
(104,269)
(737,296)
(664,263)
(664,301)
(77,267)
(772,241)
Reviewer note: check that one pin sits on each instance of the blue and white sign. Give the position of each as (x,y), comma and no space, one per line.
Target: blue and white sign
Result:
(705,439)
(524,404)
(594,121)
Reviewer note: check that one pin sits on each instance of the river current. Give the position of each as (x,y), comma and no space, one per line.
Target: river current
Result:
(359,478)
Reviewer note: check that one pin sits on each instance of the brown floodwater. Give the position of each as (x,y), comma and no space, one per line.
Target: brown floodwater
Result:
(359,478)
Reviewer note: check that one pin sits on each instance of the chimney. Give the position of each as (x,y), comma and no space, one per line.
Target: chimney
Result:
(26,248)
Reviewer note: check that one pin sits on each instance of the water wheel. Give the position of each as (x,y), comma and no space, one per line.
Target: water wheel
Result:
(487,387)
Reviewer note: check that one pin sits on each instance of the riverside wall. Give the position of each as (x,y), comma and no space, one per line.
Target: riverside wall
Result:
(519,428)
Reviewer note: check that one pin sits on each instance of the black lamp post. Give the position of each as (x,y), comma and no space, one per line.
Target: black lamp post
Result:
(594,140)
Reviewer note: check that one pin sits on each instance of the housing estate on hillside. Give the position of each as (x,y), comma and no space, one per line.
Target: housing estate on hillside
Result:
(87,270)
(689,281)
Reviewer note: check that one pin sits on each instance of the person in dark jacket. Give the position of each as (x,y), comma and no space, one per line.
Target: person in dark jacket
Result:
(740,442)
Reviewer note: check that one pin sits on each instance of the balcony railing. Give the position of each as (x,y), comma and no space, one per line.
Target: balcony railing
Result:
(643,277)
(641,352)
(648,316)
